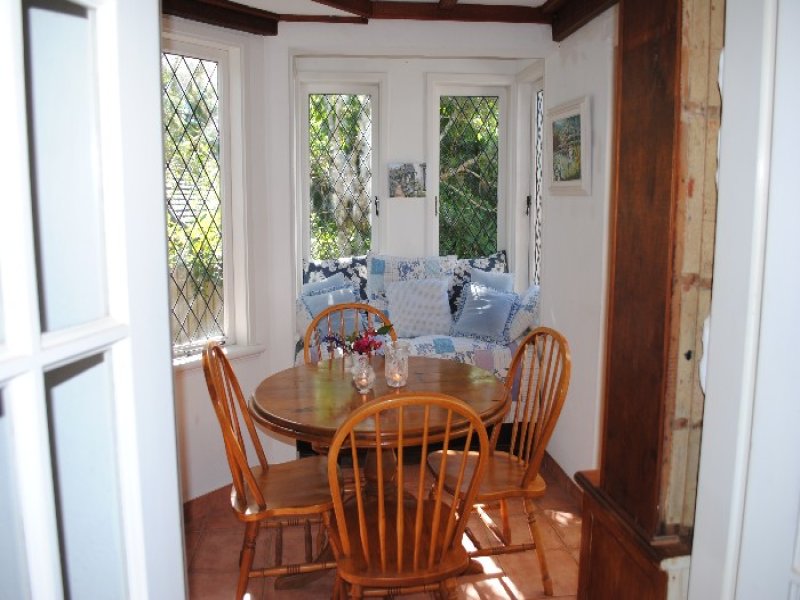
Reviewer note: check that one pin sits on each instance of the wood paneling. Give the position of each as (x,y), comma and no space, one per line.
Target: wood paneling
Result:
(641,278)
(615,563)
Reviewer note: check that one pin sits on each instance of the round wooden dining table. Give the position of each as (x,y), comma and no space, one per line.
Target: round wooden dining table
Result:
(310,402)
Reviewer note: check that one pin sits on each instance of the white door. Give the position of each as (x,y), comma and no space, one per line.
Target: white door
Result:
(769,559)
(747,526)
(89,503)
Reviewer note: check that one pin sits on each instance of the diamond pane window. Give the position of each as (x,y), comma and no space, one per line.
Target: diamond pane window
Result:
(538,137)
(340,166)
(468,174)
(190,103)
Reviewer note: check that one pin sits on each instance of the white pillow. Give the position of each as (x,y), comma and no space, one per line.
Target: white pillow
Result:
(419,307)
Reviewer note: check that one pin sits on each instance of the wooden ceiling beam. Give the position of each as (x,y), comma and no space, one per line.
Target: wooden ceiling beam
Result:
(224,13)
(447,4)
(475,13)
(569,16)
(354,20)
(361,8)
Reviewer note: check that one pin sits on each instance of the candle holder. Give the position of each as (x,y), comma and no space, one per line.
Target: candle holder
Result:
(396,365)
(363,373)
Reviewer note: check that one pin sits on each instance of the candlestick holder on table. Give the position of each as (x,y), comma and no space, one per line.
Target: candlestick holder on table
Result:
(363,373)
(396,365)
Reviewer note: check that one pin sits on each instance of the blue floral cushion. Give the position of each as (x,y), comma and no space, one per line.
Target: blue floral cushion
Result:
(354,269)
(527,317)
(383,269)
(485,314)
(462,273)
(334,282)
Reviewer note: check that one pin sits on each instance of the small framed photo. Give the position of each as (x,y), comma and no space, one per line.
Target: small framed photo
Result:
(407,180)
(569,147)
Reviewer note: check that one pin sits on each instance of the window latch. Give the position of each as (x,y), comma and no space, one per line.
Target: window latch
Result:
(377,207)
(528,206)
(436,206)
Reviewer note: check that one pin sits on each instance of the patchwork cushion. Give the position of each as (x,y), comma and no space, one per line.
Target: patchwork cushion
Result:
(485,314)
(462,273)
(383,269)
(354,269)
(487,355)
(419,307)
(527,316)
(502,282)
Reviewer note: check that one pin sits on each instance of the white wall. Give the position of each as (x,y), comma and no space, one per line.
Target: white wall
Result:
(575,228)
(575,240)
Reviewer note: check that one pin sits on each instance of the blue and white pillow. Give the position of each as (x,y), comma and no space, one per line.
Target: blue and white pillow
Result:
(354,269)
(462,274)
(383,270)
(419,307)
(527,317)
(485,314)
(502,282)
(316,303)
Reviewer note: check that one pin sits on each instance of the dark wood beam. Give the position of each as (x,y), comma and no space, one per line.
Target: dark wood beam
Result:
(362,8)
(224,13)
(476,13)
(446,4)
(552,6)
(570,15)
(324,19)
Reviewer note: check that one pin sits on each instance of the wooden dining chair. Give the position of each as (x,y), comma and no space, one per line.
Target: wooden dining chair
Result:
(537,383)
(274,496)
(389,536)
(341,320)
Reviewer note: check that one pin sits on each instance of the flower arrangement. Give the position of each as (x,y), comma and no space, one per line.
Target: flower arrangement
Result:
(365,342)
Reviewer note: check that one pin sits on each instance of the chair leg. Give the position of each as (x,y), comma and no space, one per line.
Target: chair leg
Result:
(547,583)
(246,557)
(505,521)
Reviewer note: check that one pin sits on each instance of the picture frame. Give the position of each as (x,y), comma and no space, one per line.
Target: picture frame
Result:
(569,148)
(407,180)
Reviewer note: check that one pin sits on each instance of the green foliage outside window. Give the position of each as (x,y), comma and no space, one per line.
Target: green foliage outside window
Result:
(468,175)
(340,162)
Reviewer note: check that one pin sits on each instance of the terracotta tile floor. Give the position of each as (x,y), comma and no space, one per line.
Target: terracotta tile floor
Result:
(213,538)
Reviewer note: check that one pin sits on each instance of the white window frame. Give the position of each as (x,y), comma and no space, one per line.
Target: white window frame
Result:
(238,316)
(502,86)
(307,83)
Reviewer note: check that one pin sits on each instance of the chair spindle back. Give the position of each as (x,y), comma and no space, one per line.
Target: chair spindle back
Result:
(230,407)
(342,321)
(540,372)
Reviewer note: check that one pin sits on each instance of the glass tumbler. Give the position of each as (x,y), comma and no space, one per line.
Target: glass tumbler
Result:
(396,365)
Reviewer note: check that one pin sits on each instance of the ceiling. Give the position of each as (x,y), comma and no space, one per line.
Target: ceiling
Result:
(262,17)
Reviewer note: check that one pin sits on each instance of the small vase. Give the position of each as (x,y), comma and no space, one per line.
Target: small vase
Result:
(363,373)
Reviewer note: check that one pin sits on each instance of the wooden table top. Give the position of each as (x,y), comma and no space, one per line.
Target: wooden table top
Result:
(309,402)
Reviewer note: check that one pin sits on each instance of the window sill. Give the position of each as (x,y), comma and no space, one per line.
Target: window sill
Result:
(195,361)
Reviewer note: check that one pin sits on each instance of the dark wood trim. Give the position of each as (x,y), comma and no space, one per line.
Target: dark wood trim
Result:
(554,475)
(362,8)
(569,16)
(476,13)
(655,548)
(224,13)
(324,19)
(445,4)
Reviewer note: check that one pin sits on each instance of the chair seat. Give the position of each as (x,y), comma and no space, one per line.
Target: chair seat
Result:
(501,479)
(294,488)
(355,569)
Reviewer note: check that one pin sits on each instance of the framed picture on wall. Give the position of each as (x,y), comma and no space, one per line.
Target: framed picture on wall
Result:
(407,180)
(569,148)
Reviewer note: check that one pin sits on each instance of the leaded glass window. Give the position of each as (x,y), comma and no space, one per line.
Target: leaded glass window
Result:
(191,113)
(468,174)
(340,169)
